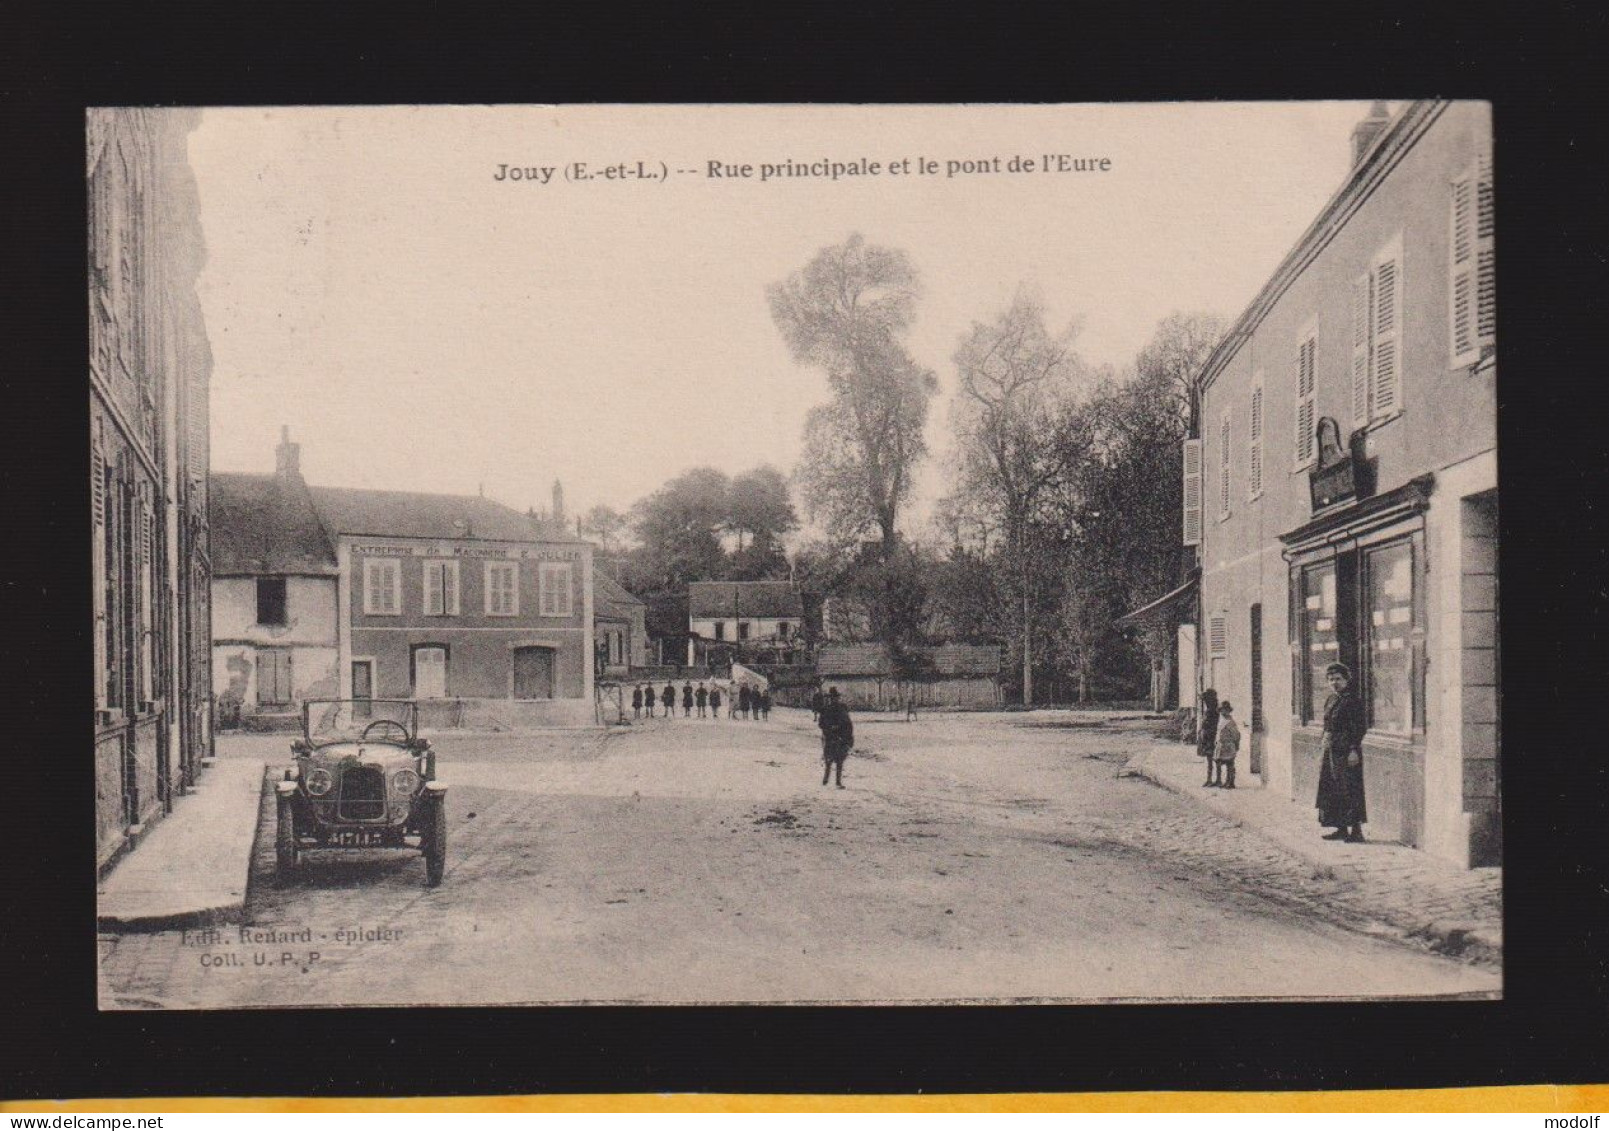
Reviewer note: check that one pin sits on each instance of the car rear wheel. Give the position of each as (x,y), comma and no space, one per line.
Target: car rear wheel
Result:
(285,840)
(435,842)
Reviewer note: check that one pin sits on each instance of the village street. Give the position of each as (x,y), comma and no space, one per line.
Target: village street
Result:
(1000,856)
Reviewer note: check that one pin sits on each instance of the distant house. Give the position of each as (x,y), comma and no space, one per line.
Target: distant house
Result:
(759,613)
(620,628)
(949,675)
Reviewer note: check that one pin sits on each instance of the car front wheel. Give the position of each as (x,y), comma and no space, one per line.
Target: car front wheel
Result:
(435,842)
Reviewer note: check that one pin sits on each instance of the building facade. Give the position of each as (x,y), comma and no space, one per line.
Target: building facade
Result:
(276,639)
(346,593)
(744,613)
(149,370)
(620,628)
(1342,490)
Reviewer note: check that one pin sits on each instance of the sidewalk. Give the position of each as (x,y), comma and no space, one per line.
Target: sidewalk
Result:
(1458,911)
(191,870)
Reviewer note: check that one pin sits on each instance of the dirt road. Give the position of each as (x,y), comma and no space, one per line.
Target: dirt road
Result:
(969,857)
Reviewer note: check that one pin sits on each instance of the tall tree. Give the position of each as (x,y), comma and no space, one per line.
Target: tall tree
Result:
(846,313)
(1017,382)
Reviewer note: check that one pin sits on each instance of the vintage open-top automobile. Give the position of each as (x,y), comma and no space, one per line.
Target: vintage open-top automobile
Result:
(362,778)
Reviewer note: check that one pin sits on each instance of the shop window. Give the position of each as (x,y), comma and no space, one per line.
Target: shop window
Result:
(271,601)
(1389,599)
(555,579)
(1321,635)
(441,588)
(502,589)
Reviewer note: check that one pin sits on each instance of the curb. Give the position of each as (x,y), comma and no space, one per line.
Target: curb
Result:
(1464,941)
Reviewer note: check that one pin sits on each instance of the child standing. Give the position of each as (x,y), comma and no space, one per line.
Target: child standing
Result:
(1228,745)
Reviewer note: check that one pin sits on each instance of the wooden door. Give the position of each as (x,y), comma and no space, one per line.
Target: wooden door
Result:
(533,673)
(430,672)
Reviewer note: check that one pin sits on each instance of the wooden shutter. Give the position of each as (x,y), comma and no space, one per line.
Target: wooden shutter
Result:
(449,583)
(1464,344)
(1192,493)
(1255,445)
(1362,304)
(1306,402)
(1485,254)
(1225,434)
(1217,636)
(99,573)
(1387,391)
(434,577)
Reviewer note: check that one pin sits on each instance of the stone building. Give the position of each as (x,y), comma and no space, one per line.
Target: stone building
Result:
(453,600)
(149,369)
(1342,491)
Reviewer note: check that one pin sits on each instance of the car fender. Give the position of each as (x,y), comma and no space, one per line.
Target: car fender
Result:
(436,788)
(286,788)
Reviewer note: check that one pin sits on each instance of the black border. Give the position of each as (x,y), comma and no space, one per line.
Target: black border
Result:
(1533,63)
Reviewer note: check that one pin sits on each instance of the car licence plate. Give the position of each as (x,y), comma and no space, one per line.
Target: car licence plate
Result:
(357,838)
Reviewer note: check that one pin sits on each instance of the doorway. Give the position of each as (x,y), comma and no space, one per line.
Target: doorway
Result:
(533,672)
(429,671)
(1255,719)
(362,688)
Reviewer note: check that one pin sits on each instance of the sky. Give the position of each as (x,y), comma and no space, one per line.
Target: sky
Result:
(421,324)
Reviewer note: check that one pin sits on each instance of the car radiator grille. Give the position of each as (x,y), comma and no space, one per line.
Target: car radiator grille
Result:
(362,794)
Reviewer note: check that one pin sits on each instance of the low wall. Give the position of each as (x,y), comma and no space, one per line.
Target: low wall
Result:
(504,714)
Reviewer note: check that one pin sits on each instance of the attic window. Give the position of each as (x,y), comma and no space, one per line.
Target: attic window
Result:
(271,601)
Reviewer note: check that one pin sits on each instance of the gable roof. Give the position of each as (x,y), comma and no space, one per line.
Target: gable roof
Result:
(414,514)
(265,524)
(611,599)
(715,599)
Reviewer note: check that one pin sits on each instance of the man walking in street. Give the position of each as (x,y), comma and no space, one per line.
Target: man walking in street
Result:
(702,698)
(715,702)
(687,699)
(743,700)
(837,737)
(668,698)
(636,702)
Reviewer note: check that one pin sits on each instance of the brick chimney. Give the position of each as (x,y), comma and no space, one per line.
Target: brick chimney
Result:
(1368,131)
(558,506)
(288,456)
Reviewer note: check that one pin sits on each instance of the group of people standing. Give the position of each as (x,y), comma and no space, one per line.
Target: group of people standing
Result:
(1340,802)
(748,702)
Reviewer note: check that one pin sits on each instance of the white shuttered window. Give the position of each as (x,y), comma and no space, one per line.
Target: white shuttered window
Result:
(1377,338)
(441,588)
(1192,493)
(382,586)
(1218,636)
(1473,284)
(502,589)
(1254,447)
(1306,400)
(1225,437)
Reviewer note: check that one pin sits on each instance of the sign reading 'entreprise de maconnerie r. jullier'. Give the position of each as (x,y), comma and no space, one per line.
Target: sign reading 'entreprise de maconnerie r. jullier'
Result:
(451,550)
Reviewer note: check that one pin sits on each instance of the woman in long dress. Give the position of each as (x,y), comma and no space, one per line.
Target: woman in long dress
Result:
(1340,801)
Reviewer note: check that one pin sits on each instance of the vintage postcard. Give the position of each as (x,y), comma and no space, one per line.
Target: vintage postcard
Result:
(794,554)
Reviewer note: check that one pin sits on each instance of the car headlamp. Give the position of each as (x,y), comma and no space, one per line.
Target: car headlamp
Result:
(319,782)
(405,781)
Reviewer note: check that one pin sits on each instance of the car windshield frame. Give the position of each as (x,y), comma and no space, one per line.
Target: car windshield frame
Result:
(404,712)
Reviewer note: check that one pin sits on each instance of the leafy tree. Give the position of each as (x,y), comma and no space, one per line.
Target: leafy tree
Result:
(1011,421)
(678,529)
(846,313)
(760,509)
(608,527)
